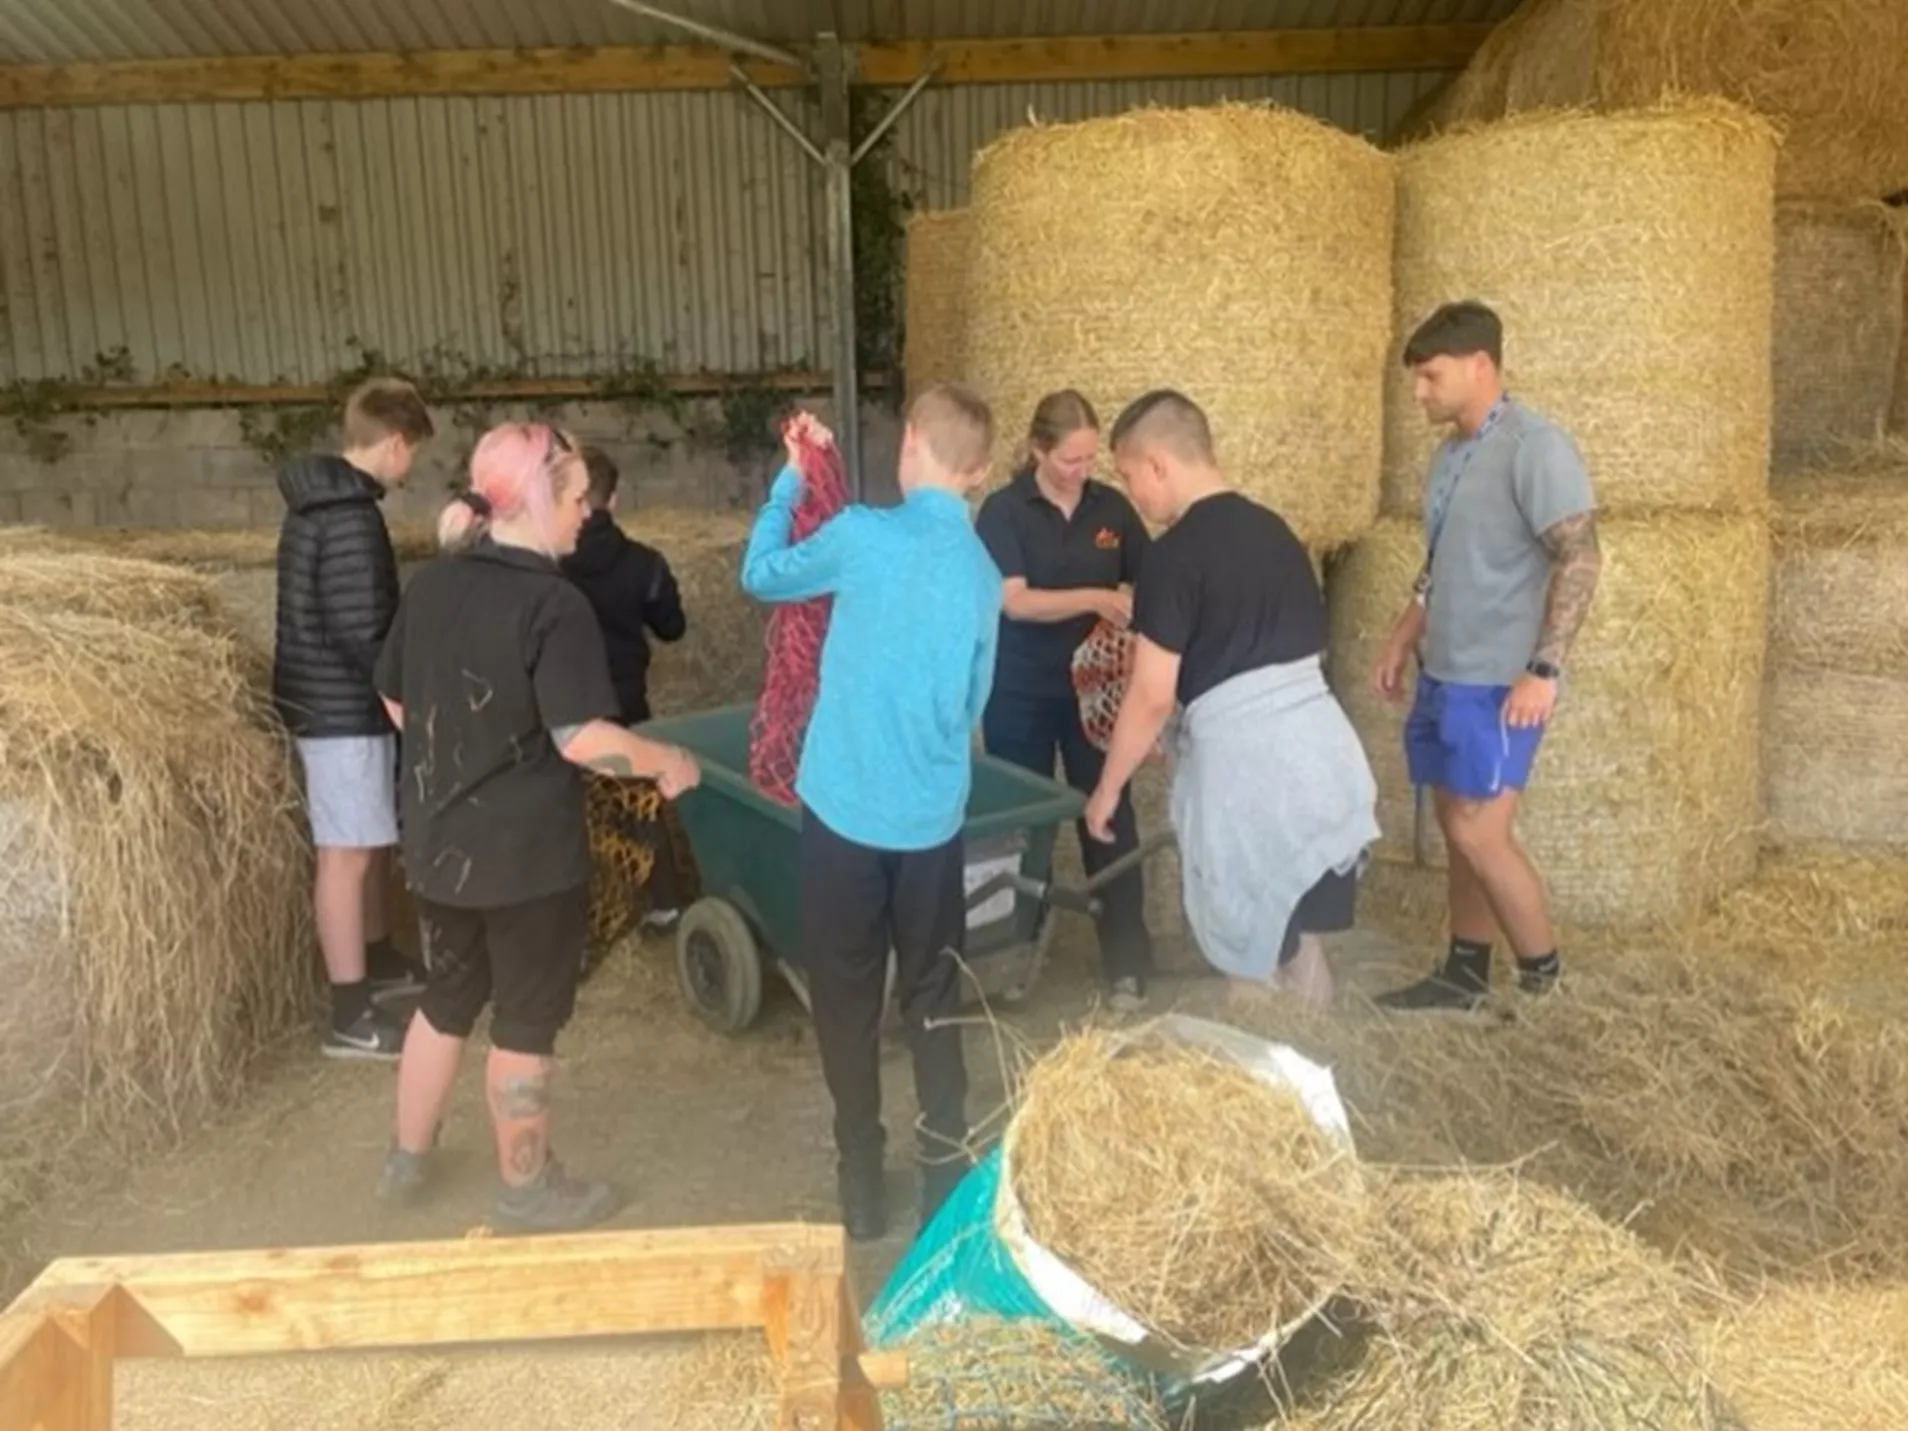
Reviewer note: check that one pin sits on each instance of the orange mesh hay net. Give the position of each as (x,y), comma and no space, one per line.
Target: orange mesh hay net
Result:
(796,630)
(1102,665)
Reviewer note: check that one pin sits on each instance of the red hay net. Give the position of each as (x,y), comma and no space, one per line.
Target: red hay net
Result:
(796,629)
(1102,665)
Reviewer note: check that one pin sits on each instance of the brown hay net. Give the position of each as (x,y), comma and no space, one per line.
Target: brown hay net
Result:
(1828,71)
(163,800)
(1200,1200)
(936,298)
(1239,253)
(1643,804)
(1495,1303)
(1631,261)
(1838,327)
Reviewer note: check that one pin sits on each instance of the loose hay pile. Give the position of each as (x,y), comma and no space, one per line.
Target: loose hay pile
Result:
(1498,1304)
(1239,253)
(1631,259)
(1201,1201)
(1737,1122)
(1815,1358)
(1835,760)
(1837,328)
(719,661)
(936,298)
(1645,807)
(1828,71)
(145,772)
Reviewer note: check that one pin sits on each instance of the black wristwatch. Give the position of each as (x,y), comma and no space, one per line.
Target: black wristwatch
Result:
(1543,670)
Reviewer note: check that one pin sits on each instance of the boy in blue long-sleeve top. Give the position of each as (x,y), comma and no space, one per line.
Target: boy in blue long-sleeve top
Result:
(885,771)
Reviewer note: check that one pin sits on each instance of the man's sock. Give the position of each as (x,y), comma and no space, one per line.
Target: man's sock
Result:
(349,1003)
(1537,975)
(1468,964)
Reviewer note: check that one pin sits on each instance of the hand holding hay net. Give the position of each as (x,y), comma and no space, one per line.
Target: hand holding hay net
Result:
(1199,1199)
(1102,666)
(796,630)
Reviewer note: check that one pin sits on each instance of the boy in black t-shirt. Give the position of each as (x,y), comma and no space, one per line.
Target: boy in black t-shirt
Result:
(1231,625)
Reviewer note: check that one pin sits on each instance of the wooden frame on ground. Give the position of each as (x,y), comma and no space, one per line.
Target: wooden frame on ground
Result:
(59,1340)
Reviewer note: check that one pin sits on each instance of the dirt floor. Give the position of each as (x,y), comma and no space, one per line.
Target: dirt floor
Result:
(699,1128)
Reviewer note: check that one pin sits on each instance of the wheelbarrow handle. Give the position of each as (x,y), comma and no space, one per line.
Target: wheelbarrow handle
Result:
(1078,899)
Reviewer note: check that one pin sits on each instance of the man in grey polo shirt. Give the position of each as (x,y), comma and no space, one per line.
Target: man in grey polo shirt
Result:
(1511,565)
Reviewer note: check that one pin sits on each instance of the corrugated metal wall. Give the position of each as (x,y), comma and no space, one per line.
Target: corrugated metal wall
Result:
(261,242)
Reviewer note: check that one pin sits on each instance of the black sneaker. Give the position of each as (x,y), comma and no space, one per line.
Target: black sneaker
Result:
(553,1201)
(368,1037)
(863,1195)
(1443,990)
(403,1177)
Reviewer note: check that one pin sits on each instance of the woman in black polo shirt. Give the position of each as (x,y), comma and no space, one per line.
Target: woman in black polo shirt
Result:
(1069,549)
(494,672)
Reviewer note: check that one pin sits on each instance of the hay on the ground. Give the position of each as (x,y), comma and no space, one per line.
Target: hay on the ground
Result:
(1238,253)
(162,799)
(1815,1358)
(936,298)
(1644,802)
(1631,259)
(1496,1303)
(719,661)
(1838,327)
(1828,72)
(1203,1202)
(1743,1124)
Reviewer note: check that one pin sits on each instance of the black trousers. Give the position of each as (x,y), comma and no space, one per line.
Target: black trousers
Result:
(856,904)
(1028,731)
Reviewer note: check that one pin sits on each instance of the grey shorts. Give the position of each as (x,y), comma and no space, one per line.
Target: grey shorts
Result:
(351,791)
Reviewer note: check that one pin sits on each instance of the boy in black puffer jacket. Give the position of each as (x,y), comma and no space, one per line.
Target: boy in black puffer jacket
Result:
(337,594)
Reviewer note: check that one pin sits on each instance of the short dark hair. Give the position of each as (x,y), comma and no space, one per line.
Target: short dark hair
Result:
(1457,330)
(1169,418)
(386,407)
(603,476)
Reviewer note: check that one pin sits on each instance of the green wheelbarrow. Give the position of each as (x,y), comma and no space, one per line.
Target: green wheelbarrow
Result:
(745,847)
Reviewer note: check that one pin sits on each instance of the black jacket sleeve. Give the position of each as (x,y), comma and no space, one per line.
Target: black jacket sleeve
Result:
(662,601)
(357,586)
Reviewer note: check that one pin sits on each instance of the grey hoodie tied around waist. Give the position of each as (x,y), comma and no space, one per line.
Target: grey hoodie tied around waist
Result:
(1271,789)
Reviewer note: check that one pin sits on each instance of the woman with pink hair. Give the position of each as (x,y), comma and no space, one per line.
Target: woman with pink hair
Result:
(495,674)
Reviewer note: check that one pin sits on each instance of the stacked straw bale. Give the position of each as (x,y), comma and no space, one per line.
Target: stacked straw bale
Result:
(936,298)
(1828,71)
(164,913)
(1632,260)
(1644,803)
(1835,733)
(1838,327)
(1238,253)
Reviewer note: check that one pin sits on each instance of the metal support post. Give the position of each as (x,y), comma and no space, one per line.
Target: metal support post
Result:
(831,70)
(727,39)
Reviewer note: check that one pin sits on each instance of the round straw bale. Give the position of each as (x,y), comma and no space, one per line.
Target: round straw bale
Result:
(1838,327)
(1643,803)
(1238,253)
(719,661)
(1202,1201)
(1498,1303)
(1631,259)
(38,1014)
(1840,600)
(1835,759)
(936,298)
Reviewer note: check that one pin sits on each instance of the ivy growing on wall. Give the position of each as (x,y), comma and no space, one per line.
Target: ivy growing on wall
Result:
(881,208)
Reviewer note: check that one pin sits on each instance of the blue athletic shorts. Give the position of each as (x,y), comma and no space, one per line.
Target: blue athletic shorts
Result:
(1456,740)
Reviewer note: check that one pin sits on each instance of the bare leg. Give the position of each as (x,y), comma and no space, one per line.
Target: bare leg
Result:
(1470,904)
(518,1089)
(426,1073)
(339,903)
(1308,977)
(1481,832)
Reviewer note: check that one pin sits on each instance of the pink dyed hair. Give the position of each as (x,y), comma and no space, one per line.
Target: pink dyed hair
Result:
(517,470)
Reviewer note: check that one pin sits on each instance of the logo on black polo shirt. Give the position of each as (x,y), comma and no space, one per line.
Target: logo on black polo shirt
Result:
(1106,539)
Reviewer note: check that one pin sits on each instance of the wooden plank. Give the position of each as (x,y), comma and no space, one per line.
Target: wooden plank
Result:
(623,69)
(802,1310)
(1187,56)
(33,1367)
(444,1293)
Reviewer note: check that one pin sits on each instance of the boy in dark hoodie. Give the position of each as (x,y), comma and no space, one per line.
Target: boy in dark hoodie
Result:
(337,595)
(630,587)
(634,594)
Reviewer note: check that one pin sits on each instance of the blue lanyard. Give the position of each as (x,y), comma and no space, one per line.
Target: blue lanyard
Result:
(1444,481)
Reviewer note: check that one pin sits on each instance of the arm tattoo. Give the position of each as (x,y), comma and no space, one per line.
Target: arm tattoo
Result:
(1575,561)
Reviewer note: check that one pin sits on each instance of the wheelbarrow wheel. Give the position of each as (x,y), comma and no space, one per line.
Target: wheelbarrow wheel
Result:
(719,965)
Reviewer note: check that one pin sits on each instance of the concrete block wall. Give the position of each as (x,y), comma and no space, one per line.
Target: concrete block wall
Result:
(192,467)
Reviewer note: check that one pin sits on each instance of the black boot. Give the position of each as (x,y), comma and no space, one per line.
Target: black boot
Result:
(1463,983)
(864,1211)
